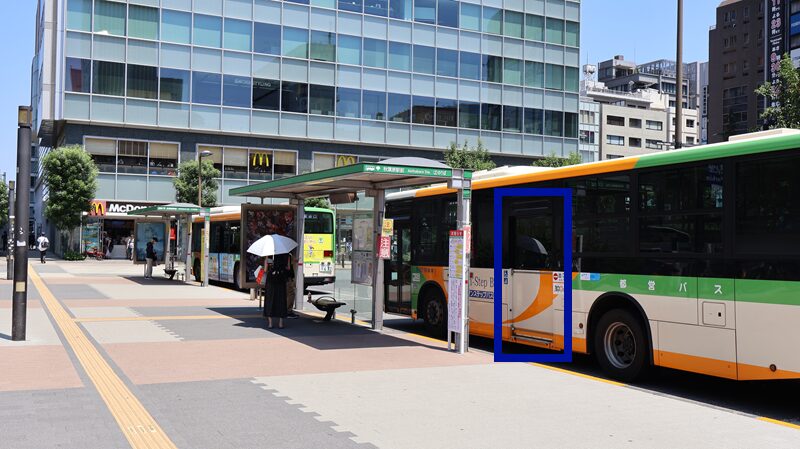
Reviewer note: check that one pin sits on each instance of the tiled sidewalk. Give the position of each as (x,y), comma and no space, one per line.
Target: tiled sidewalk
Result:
(202,365)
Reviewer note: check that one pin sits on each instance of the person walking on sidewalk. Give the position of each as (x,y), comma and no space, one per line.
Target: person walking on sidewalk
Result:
(151,258)
(43,243)
(291,290)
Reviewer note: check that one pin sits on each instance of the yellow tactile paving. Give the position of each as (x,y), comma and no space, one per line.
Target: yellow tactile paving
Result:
(141,430)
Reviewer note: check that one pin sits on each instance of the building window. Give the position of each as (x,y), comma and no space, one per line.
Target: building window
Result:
(163,158)
(260,164)
(447,13)
(615,120)
(652,144)
(425,11)
(266,94)
(554,31)
(554,123)
(635,122)
(237,91)
(422,110)
(512,119)
(399,108)
(689,123)
(142,81)
(446,112)
(614,156)
(103,152)
(655,125)
(512,71)
(554,77)
(174,85)
(285,164)
(373,105)
(446,62)
(109,17)
(351,5)
(348,50)
(534,121)
(376,8)
(746,38)
(534,74)
(534,27)
(176,26)
(588,117)
(570,124)
(588,137)
(615,140)
(109,78)
(491,116)
(634,142)
(399,56)
(77,74)
(571,79)
(207,31)
(132,157)
(234,163)
(469,115)
(470,17)
(572,35)
(492,68)
(690,140)
(206,88)
(424,59)
(295,42)
(512,24)
(267,38)
(79,15)
(492,20)
(374,53)
(143,22)
(294,97)
(321,100)
(348,102)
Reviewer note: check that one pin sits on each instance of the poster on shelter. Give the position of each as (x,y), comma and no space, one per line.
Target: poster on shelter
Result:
(145,231)
(260,220)
(91,238)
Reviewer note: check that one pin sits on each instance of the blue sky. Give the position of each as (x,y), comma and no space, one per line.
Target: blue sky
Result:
(644,29)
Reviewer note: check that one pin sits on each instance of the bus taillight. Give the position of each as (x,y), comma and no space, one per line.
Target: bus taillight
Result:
(327,253)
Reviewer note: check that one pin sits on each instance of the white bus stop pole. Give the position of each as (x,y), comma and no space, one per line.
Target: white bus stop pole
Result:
(463,211)
(377,267)
(206,246)
(299,280)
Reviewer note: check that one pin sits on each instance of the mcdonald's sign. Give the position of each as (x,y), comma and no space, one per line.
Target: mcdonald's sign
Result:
(259,159)
(97,208)
(344,159)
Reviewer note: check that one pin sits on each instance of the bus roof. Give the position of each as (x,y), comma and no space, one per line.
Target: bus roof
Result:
(760,142)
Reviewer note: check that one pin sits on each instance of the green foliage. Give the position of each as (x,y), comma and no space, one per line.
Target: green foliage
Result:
(73,255)
(555,161)
(71,179)
(783,100)
(186,183)
(475,158)
(320,202)
(3,204)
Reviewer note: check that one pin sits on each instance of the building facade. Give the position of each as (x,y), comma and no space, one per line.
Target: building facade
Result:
(736,67)
(626,76)
(589,130)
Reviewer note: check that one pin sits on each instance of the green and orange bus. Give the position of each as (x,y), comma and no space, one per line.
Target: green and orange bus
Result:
(687,259)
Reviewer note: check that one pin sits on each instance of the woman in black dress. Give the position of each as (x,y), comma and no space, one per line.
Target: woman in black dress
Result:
(275,291)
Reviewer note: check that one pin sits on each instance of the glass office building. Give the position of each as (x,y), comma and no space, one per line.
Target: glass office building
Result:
(276,88)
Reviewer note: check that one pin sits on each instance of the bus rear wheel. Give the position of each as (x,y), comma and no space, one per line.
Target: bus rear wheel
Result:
(435,311)
(621,345)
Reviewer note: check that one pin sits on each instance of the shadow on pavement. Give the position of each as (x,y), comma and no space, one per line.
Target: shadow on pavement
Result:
(311,331)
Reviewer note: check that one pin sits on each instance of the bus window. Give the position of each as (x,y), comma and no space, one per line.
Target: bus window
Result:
(318,223)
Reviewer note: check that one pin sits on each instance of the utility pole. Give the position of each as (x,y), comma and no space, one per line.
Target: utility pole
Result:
(10,237)
(679,81)
(20,301)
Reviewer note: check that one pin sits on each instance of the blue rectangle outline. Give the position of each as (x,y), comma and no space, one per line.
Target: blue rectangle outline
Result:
(499,194)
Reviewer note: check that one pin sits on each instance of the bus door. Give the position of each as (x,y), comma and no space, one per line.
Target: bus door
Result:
(398,270)
(533,253)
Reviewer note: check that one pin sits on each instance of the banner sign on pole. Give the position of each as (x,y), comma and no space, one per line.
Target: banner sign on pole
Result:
(385,244)
(455,283)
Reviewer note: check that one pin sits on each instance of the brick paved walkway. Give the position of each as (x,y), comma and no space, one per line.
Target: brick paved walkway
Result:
(198,368)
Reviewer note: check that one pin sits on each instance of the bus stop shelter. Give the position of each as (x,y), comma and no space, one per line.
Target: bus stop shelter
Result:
(341,183)
(182,212)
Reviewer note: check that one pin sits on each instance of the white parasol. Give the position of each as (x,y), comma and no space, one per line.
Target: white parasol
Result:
(272,244)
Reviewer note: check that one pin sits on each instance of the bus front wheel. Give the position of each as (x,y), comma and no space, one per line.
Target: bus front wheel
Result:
(621,346)
(435,311)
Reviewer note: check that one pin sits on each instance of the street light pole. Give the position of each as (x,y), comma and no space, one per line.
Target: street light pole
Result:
(10,238)
(20,298)
(679,81)
(200,157)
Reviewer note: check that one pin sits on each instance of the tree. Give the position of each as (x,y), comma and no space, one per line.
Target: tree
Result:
(783,99)
(475,158)
(186,183)
(70,176)
(555,161)
(3,204)
(320,202)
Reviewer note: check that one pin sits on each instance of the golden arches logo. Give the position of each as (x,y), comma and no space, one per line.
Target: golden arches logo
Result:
(97,208)
(259,160)
(343,160)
